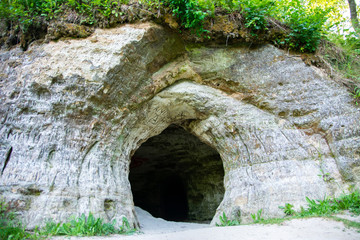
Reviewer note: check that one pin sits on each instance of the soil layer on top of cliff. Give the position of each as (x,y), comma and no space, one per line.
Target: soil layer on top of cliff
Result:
(225,24)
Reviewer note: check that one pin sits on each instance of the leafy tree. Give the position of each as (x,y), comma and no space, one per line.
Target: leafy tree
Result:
(353,16)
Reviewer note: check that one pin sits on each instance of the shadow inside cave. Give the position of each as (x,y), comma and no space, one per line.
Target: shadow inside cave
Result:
(177,177)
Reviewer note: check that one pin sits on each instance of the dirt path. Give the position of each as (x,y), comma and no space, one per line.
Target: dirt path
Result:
(298,229)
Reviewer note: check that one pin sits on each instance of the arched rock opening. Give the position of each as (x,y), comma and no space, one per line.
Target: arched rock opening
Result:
(261,154)
(177,177)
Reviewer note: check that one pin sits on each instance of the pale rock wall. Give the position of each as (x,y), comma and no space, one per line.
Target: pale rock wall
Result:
(73,112)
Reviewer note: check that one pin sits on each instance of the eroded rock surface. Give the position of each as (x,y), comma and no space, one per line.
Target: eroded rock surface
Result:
(74,112)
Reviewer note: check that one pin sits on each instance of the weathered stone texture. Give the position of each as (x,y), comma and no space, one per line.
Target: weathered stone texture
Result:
(73,113)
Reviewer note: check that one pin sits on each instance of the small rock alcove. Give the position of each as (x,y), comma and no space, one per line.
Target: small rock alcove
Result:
(177,177)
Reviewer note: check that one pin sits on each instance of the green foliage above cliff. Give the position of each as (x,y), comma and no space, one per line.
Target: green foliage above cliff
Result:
(306,24)
(189,12)
(296,25)
(25,12)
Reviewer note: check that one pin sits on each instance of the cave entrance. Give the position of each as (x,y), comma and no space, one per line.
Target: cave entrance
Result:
(176,177)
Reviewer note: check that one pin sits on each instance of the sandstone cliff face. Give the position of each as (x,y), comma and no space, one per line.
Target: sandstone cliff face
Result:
(74,112)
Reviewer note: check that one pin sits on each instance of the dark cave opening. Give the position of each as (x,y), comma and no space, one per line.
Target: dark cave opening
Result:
(177,177)
(174,199)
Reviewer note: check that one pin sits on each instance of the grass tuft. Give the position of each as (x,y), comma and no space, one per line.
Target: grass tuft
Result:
(12,228)
(85,226)
(326,207)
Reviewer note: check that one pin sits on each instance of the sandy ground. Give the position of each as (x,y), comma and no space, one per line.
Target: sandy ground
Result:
(304,229)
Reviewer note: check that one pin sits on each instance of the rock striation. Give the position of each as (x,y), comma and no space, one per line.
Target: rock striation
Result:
(74,112)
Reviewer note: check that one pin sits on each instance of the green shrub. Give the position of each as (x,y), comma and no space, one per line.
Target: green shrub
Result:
(50,8)
(25,12)
(20,12)
(85,226)
(349,202)
(306,31)
(329,206)
(356,95)
(342,57)
(288,209)
(91,9)
(190,14)
(321,207)
(224,221)
(255,13)
(307,24)
(257,217)
(10,226)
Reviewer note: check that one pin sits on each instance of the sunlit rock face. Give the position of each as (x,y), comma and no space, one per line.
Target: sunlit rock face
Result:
(254,128)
